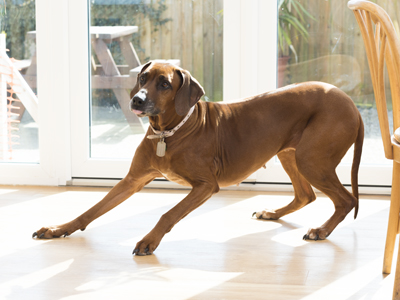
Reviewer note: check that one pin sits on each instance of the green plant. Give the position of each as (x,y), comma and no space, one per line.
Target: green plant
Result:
(292,16)
(3,12)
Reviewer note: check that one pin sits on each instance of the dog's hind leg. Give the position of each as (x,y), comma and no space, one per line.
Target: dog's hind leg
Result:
(303,192)
(318,168)
(343,201)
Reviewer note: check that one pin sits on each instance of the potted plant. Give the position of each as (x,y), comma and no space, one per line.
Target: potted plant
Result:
(3,12)
(291,21)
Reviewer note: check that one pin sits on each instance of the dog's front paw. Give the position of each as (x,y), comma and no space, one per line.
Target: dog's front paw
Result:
(50,232)
(56,231)
(266,215)
(146,246)
(316,234)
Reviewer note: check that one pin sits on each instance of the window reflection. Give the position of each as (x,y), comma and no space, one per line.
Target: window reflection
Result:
(320,40)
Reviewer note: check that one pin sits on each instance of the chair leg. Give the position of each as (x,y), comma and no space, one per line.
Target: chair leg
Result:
(396,287)
(393,219)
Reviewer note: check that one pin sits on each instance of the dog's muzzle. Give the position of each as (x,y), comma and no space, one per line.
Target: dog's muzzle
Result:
(138,102)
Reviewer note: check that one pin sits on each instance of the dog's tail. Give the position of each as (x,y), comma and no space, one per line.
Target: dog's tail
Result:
(356,163)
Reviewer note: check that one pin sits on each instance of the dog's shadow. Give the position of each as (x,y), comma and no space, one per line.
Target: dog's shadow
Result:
(285,224)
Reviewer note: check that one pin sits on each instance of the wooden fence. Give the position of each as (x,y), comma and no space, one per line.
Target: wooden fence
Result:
(335,39)
(194,35)
(192,31)
(179,29)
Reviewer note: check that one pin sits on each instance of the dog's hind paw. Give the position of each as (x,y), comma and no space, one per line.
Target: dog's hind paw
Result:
(266,215)
(307,237)
(146,252)
(315,234)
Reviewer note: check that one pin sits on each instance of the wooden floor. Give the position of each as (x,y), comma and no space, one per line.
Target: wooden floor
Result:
(217,252)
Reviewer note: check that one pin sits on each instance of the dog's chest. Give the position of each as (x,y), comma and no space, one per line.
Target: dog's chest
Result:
(171,176)
(169,170)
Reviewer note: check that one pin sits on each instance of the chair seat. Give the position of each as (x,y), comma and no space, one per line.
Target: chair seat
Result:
(396,135)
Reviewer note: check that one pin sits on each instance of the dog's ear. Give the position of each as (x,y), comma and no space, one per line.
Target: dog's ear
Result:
(136,87)
(188,94)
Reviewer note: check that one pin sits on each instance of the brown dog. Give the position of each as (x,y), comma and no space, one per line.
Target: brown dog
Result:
(310,127)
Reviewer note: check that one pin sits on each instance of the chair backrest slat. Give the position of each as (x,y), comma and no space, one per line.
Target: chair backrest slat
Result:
(381,45)
(380,99)
(377,35)
(394,85)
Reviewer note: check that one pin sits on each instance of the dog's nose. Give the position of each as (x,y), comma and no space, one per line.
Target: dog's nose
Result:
(139,99)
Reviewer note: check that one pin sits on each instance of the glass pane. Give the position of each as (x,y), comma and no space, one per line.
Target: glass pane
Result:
(18,101)
(126,34)
(326,45)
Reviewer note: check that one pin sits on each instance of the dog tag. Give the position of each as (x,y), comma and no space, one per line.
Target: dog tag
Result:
(161,147)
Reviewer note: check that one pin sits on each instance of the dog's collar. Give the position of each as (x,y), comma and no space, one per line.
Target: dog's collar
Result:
(164,134)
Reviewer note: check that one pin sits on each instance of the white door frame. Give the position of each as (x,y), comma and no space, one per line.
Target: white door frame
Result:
(82,165)
(250,59)
(64,90)
(53,54)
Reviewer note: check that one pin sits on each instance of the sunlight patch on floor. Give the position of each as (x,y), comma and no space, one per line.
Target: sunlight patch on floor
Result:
(221,225)
(148,202)
(34,278)
(6,191)
(352,283)
(148,283)
(312,215)
(221,251)
(19,245)
(291,237)
(70,205)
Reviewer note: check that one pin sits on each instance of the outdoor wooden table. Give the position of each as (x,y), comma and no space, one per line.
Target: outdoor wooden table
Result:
(107,74)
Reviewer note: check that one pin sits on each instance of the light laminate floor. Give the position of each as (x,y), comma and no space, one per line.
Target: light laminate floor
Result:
(217,252)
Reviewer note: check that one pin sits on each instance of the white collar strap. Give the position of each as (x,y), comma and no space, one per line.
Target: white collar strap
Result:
(164,134)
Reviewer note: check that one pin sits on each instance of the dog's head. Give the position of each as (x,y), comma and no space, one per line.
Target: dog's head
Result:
(161,87)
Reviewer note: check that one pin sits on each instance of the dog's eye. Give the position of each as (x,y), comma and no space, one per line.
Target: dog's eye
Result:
(141,79)
(165,85)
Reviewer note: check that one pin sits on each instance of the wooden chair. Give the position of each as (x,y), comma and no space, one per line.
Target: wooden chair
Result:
(382,44)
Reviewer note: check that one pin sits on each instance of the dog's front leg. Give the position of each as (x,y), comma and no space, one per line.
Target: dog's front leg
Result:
(199,194)
(122,191)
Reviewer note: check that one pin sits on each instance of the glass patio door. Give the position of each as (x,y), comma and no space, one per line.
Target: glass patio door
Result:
(326,46)
(124,35)
(317,41)
(84,130)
